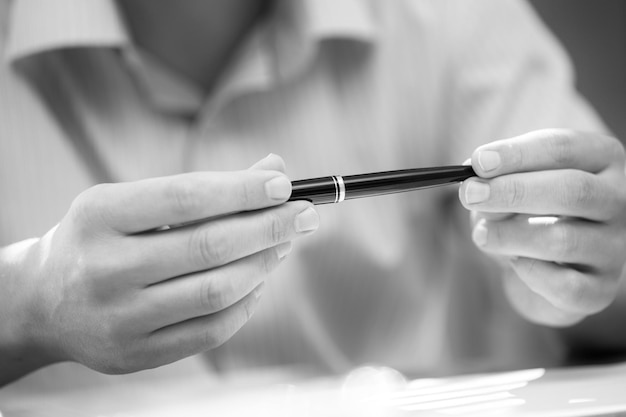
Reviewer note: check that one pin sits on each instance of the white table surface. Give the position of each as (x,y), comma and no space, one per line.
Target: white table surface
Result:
(188,389)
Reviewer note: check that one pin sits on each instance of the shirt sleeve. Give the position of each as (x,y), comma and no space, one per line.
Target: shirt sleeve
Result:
(506,75)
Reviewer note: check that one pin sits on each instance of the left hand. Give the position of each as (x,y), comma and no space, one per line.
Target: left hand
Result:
(551,204)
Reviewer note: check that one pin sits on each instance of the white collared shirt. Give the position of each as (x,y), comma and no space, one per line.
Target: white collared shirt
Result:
(335,88)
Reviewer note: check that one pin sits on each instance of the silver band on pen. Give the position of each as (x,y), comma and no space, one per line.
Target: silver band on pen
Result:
(340,188)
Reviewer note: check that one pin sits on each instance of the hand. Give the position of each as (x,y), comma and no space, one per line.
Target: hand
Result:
(113,289)
(566,266)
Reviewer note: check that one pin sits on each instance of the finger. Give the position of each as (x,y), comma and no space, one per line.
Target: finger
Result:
(271,162)
(152,203)
(203,333)
(548,149)
(582,244)
(562,192)
(533,306)
(206,292)
(153,257)
(566,289)
(476,216)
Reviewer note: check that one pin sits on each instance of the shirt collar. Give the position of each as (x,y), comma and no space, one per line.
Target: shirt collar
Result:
(38,26)
(276,51)
(301,25)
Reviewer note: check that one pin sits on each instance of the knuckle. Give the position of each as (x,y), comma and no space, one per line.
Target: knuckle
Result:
(559,146)
(276,228)
(88,207)
(94,272)
(514,193)
(87,198)
(563,241)
(209,247)
(245,194)
(115,330)
(497,234)
(212,296)
(579,190)
(84,268)
(268,261)
(183,195)
(515,157)
(215,337)
(229,325)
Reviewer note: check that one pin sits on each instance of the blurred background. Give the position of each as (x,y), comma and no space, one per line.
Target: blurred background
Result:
(594,33)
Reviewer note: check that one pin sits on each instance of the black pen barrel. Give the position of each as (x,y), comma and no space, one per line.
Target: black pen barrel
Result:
(366,185)
(321,190)
(335,189)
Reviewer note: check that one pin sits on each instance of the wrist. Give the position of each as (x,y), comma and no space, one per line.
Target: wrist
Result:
(23,346)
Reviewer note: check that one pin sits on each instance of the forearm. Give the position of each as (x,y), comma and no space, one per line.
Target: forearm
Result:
(19,353)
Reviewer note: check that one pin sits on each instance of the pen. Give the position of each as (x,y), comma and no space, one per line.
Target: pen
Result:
(337,188)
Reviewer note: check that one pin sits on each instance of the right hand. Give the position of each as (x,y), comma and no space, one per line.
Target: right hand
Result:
(109,288)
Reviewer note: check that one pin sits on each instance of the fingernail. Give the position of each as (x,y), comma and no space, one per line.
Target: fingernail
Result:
(479,234)
(278,188)
(489,160)
(258,291)
(476,192)
(307,221)
(283,250)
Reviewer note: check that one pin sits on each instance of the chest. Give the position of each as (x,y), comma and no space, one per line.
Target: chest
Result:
(329,121)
